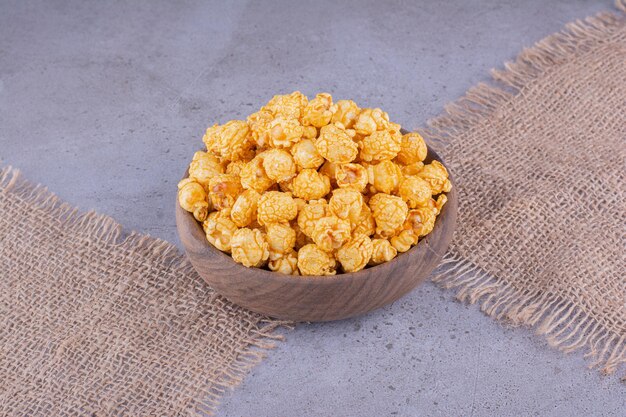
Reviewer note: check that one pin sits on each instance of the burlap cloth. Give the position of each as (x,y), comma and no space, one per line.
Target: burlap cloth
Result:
(93,323)
(539,156)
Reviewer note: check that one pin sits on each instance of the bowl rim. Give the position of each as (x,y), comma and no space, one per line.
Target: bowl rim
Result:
(423,244)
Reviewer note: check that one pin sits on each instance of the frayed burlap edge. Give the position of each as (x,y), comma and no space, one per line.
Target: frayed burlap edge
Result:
(107,231)
(565,325)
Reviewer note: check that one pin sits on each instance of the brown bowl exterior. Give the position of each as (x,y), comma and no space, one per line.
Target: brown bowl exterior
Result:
(318,298)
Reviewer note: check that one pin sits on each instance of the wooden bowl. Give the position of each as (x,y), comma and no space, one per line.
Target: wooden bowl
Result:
(318,298)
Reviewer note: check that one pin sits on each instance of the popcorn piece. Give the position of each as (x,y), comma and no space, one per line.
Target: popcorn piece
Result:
(234,168)
(330,170)
(314,261)
(309,132)
(412,149)
(284,132)
(192,197)
(259,124)
(288,106)
(317,112)
(224,190)
(286,263)
(403,241)
(331,232)
(441,200)
(306,155)
(276,207)
(219,230)
(412,169)
(249,247)
(346,204)
(204,166)
(384,176)
(382,251)
(355,254)
(380,146)
(421,220)
(278,164)
(281,237)
(345,112)
(351,176)
(389,213)
(365,225)
(230,141)
(254,177)
(311,214)
(371,120)
(243,211)
(310,185)
(335,145)
(437,176)
(415,191)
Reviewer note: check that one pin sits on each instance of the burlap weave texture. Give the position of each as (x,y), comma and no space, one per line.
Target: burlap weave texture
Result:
(539,156)
(95,324)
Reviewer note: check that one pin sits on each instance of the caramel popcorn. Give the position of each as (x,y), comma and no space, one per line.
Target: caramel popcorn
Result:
(249,247)
(389,212)
(381,145)
(335,145)
(223,190)
(193,198)
(412,149)
(317,113)
(279,165)
(355,254)
(219,230)
(382,251)
(384,176)
(310,185)
(352,176)
(437,176)
(330,232)
(303,186)
(346,204)
(243,211)
(314,261)
(306,155)
(276,207)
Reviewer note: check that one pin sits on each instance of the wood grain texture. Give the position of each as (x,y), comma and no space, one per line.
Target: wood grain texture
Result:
(318,298)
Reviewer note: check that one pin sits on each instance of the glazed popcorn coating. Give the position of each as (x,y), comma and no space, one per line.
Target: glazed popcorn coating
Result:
(310,185)
(254,177)
(243,211)
(345,112)
(437,177)
(330,233)
(249,247)
(281,237)
(284,263)
(223,190)
(355,254)
(276,207)
(317,113)
(381,145)
(415,191)
(352,176)
(412,149)
(371,120)
(314,261)
(335,145)
(310,214)
(389,212)
(192,197)
(305,154)
(219,230)
(382,251)
(346,204)
(278,165)
(384,176)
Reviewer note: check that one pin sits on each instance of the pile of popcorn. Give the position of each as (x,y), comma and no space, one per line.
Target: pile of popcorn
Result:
(313,187)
